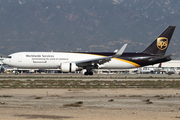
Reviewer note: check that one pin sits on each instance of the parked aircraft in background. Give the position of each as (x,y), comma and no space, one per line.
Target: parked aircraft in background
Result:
(72,61)
(1,68)
(158,69)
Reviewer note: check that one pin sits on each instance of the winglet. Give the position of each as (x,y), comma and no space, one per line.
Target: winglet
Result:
(120,52)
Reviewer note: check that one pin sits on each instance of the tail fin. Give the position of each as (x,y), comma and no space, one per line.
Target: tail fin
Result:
(160,45)
(160,64)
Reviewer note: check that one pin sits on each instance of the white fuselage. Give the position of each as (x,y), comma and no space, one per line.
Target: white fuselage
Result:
(53,60)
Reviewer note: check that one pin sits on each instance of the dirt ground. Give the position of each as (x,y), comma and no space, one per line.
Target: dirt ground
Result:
(96,104)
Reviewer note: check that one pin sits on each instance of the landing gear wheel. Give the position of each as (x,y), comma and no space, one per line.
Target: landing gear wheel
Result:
(91,73)
(16,73)
(88,73)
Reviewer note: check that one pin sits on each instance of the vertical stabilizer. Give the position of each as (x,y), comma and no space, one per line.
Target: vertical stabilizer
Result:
(160,64)
(160,45)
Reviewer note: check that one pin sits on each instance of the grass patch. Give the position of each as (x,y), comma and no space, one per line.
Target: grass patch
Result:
(94,84)
(6,96)
(77,104)
(38,97)
(135,96)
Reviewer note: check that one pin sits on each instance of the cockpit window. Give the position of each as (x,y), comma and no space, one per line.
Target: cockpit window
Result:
(9,57)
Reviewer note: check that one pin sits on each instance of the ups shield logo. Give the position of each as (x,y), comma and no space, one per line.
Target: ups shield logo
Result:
(162,43)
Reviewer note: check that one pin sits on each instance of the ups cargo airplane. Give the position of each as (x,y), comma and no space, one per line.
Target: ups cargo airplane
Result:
(72,61)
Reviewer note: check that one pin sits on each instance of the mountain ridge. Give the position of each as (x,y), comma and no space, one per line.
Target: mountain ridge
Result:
(92,25)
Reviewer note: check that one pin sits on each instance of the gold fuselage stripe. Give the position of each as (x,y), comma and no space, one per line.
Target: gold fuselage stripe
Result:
(135,64)
(132,63)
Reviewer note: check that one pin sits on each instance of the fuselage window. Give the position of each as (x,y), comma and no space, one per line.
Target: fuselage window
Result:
(9,57)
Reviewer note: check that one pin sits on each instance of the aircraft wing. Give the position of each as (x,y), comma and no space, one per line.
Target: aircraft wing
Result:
(100,60)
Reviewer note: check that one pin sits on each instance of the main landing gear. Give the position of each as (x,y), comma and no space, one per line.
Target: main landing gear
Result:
(88,73)
(89,69)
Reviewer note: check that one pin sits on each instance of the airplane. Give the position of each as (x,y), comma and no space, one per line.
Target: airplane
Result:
(72,61)
(158,69)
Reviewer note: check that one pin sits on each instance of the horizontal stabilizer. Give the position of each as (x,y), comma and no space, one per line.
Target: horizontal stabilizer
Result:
(160,58)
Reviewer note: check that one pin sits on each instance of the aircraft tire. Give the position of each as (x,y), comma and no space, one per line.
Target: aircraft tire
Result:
(16,73)
(90,73)
(86,73)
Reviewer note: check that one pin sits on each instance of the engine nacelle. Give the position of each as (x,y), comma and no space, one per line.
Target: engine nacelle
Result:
(68,67)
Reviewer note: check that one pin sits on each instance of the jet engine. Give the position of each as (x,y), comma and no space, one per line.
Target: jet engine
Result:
(68,67)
